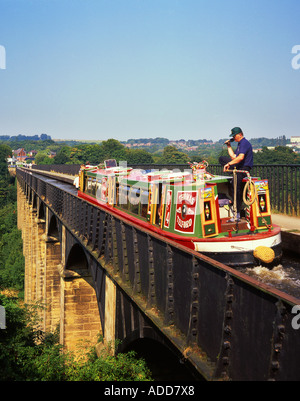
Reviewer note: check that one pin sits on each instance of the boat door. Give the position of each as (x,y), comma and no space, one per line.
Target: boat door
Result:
(209,215)
(153,203)
(111,189)
(261,208)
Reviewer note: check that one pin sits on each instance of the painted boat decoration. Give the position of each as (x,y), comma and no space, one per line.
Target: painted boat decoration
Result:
(191,208)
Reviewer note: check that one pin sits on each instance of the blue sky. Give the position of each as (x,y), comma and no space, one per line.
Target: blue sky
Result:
(192,69)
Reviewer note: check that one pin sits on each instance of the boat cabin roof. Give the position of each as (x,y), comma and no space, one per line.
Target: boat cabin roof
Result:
(132,176)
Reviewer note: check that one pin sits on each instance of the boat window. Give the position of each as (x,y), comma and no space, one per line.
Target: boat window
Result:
(117,193)
(110,163)
(262,203)
(85,181)
(123,196)
(134,200)
(94,186)
(158,206)
(111,185)
(98,190)
(89,185)
(144,204)
(207,211)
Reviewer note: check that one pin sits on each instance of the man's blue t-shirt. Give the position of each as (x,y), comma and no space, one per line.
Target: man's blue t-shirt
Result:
(245,147)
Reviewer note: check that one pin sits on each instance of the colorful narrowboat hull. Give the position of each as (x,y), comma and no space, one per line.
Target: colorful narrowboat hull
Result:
(187,209)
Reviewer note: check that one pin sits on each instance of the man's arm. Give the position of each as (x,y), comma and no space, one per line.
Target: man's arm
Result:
(230,150)
(234,160)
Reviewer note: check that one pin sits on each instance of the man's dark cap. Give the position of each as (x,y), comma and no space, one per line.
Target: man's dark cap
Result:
(235,131)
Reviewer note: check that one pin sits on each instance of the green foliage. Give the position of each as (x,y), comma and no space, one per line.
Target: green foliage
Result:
(52,364)
(262,142)
(139,156)
(95,154)
(279,155)
(63,156)
(11,257)
(76,152)
(173,156)
(7,193)
(26,353)
(43,158)
(5,151)
(16,340)
(87,153)
(29,145)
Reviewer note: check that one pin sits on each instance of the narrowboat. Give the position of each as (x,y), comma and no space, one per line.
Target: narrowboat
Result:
(192,208)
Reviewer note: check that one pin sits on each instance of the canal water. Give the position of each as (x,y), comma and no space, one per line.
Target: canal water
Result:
(284,277)
(165,366)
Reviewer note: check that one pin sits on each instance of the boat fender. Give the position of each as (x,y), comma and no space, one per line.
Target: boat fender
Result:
(264,253)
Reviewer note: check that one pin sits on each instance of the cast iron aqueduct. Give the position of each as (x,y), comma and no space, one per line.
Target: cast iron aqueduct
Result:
(95,272)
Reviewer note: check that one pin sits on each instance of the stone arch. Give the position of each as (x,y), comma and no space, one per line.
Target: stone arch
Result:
(41,211)
(80,319)
(164,363)
(53,228)
(52,285)
(34,202)
(77,258)
(30,196)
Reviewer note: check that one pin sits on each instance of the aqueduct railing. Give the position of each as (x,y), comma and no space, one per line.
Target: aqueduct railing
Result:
(224,322)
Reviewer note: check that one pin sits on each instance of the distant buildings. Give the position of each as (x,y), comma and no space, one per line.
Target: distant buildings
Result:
(295,143)
(20,154)
(295,139)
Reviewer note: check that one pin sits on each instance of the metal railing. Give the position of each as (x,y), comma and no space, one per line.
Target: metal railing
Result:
(284,185)
(284,180)
(233,326)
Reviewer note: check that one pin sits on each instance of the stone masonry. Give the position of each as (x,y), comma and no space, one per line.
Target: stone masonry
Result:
(68,297)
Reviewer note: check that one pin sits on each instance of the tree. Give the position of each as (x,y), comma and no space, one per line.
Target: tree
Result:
(113,149)
(139,156)
(27,353)
(171,155)
(11,255)
(42,158)
(279,155)
(5,151)
(93,154)
(63,156)
(5,181)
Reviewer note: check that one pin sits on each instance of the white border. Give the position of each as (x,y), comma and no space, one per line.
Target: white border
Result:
(237,246)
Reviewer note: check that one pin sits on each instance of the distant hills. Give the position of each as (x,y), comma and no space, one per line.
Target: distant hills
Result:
(152,144)
(42,137)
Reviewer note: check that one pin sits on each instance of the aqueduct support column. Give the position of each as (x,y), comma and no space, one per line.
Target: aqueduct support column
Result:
(79,318)
(40,266)
(110,313)
(27,250)
(52,284)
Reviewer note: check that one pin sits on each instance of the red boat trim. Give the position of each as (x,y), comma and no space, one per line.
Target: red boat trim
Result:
(187,241)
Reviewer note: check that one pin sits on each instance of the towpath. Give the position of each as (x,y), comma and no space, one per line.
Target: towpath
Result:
(287,223)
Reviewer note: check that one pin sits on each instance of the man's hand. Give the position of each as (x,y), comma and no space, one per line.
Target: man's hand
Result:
(226,167)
